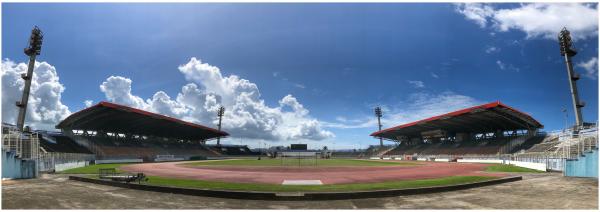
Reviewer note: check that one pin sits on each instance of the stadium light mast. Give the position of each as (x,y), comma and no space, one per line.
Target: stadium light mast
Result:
(567,50)
(379,114)
(34,49)
(220,113)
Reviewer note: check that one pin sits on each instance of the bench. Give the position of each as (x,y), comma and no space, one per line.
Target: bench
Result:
(111,174)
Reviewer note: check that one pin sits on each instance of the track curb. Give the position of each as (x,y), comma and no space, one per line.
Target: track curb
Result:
(290,196)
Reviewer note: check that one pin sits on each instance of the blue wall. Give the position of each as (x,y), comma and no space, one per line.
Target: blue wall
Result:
(15,168)
(584,166)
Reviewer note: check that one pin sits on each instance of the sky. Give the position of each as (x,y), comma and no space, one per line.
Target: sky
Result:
(300,73)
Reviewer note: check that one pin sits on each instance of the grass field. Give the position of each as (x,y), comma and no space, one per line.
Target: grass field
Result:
(161,181)
(509,168)
(200,184)
(291,162)
(93,169)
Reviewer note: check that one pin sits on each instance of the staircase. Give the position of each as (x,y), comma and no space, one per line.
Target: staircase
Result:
(575,147)
(20,152)
(85,142)
(528,144)
(514,144)
(385,150)
(24,145)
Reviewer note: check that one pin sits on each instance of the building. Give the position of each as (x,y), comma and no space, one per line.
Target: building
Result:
(492,128)
(117,133)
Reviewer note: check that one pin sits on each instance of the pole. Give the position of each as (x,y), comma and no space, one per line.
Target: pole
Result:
(220,113)
(25,97)
(378,113)
(380,138)
(566,119)
(574,93)
(568,51)
(34,49)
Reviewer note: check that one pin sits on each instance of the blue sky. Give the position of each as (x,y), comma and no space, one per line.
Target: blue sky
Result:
(338,61)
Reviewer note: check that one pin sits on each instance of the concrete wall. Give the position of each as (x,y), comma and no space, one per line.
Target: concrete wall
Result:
(583,166)
(15,168)
(530,165)
(119,161)
(478,161)
(168,159)
(70,165)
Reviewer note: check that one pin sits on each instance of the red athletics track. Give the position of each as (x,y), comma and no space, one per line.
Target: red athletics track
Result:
(327,175)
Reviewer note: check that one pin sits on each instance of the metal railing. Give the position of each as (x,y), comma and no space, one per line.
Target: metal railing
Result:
(577,144)
(49,160)
(568,145)
(25,144)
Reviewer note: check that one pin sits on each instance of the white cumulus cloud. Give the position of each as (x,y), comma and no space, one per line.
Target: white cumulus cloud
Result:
(479,13)
(500,64)
(416,83)
(590,67)
(504,66)
(45,108)
(88,103)
(246,116)
(536,19)
(416,107)
(118,89)
(492,49)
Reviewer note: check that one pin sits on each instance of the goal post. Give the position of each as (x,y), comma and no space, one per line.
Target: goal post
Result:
(299,158)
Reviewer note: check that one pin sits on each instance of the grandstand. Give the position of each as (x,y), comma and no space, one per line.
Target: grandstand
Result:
(347,153)
(232,150)
(488,129)
(376,151)
(57,142)
(58,152)
(115,132)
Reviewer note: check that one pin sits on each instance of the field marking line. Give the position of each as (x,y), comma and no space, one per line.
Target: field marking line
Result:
(302,182)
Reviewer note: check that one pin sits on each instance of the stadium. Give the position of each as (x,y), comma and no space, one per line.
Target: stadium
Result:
(115,156)
(115,145)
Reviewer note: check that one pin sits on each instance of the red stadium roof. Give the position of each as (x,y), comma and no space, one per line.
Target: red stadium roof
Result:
(482,118)
(110,117)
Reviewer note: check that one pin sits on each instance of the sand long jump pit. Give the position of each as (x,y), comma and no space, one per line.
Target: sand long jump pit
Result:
(325,176)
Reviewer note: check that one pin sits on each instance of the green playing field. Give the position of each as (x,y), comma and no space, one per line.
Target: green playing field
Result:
(292,162)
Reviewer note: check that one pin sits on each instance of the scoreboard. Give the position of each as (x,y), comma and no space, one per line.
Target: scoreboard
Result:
(298,147)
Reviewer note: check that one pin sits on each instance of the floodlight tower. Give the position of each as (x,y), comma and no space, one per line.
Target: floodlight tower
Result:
(220,113)
(567,50)
(379,114)
(34,49)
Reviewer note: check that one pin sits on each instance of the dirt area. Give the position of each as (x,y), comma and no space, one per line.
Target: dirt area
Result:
(327,175)
(535,191)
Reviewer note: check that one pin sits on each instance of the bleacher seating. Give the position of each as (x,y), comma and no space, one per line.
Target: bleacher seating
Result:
(375,151)
(542,147)
(481,147)
(236,150)
(529,144)
(109,148)
(61,143)
(345,154)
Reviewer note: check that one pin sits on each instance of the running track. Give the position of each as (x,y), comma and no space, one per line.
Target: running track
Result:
(327,175)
